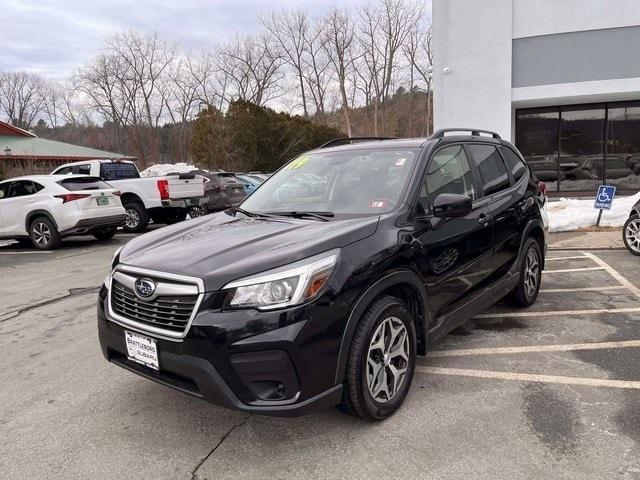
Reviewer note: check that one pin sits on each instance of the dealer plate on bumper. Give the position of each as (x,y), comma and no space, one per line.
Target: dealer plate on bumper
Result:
(142,349)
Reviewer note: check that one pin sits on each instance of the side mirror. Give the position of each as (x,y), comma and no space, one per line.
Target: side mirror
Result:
(449,205)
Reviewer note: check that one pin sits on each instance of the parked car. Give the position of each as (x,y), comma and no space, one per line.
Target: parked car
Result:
(259,175)
(163,199)
(631,230)
(250,183)
(45,208)
(221,189)
(277,307)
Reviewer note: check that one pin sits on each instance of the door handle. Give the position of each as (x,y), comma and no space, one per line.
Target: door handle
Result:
(483,219)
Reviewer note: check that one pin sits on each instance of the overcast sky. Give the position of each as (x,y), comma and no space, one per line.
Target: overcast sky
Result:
(53,37)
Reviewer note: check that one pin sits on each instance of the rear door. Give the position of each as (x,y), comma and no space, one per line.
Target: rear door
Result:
(457,251)
(20,197)
(504,203)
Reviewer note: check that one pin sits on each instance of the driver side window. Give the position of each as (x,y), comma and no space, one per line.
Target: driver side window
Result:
(448,172)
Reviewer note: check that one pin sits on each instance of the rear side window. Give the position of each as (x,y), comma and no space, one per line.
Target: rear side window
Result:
(63,171)
(448,172)
(83,170)
(86,183)
(514,163)
(118,171)
(23,188)
(493,173)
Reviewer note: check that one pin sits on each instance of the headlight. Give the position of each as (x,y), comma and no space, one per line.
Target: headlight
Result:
(114,261)
(289,285)
(116,258)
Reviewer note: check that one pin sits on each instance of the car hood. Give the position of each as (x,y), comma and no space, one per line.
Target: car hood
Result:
(220,248)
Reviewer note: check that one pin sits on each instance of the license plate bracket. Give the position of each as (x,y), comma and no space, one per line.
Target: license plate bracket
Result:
(142,349)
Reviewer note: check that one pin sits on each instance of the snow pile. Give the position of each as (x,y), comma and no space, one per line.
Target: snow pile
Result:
(568,214)
(161,169)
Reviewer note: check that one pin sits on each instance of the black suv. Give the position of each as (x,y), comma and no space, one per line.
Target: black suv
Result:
(323,285)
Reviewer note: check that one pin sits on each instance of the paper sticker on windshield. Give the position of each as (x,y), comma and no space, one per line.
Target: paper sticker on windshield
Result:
(377,204)
(400,162)
(298,162)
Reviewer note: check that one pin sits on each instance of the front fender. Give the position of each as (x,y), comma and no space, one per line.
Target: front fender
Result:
(390,279)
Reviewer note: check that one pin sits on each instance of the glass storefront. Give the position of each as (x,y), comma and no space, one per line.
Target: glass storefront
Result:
(566,145)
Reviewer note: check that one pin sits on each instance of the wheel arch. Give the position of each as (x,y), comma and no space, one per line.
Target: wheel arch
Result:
(535,229)
(31,216)
(404,284)
(129,197)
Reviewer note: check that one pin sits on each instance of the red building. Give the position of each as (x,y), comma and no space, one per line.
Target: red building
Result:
(27,153)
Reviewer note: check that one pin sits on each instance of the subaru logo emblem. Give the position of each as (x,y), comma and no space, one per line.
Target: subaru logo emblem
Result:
(145,287)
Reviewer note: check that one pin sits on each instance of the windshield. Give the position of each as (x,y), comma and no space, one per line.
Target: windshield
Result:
(350,182)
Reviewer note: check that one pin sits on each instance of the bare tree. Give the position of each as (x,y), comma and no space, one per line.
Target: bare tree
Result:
(317,66)
(22,97)
(384,27)
(419,54)
(251,68)
(290,30)
(339,36)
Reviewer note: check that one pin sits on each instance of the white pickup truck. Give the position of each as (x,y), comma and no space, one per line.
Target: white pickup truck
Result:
(162,199)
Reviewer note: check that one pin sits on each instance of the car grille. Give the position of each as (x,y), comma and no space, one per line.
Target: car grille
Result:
(170,313)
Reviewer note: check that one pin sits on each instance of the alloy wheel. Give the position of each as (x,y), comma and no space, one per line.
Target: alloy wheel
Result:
(632,235)
(531,272)
(41,234)
(387,359)
(133,218)
(197,211)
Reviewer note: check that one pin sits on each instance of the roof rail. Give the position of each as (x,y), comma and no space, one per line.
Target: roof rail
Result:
(346,140)
(474,132)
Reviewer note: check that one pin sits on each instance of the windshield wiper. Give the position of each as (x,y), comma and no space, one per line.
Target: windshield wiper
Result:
(302,213)
(248,213)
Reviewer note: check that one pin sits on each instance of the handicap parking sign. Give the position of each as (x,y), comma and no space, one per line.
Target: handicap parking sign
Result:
(604,198)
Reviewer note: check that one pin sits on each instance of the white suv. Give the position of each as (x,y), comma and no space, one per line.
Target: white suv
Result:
(45,208)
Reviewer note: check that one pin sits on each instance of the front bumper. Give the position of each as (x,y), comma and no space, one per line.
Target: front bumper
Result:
(260,362)
(88,225)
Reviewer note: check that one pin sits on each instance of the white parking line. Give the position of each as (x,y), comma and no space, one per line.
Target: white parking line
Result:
(529,377)
(565,270)
(37,252)
(558,313)
(582,289)
(614,273)
(575,257)
(463,352)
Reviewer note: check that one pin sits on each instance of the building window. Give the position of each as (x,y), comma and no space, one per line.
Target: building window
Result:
(537,140)
(581,149)
(565,145)
(623,147)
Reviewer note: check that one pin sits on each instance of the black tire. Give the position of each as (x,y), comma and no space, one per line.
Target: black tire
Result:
(358,398)
(526,292)
(104,233)
(137,218)
(43,234)
(175,217)
(631,234)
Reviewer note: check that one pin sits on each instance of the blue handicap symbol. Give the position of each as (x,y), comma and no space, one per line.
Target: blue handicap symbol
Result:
(604,197)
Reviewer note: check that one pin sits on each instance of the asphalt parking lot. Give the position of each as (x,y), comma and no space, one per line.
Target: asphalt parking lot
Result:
(552,391)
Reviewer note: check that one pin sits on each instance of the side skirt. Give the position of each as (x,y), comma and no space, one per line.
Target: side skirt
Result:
(479,302)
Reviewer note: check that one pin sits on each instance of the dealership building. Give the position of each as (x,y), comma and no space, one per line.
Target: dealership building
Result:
(559,78)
